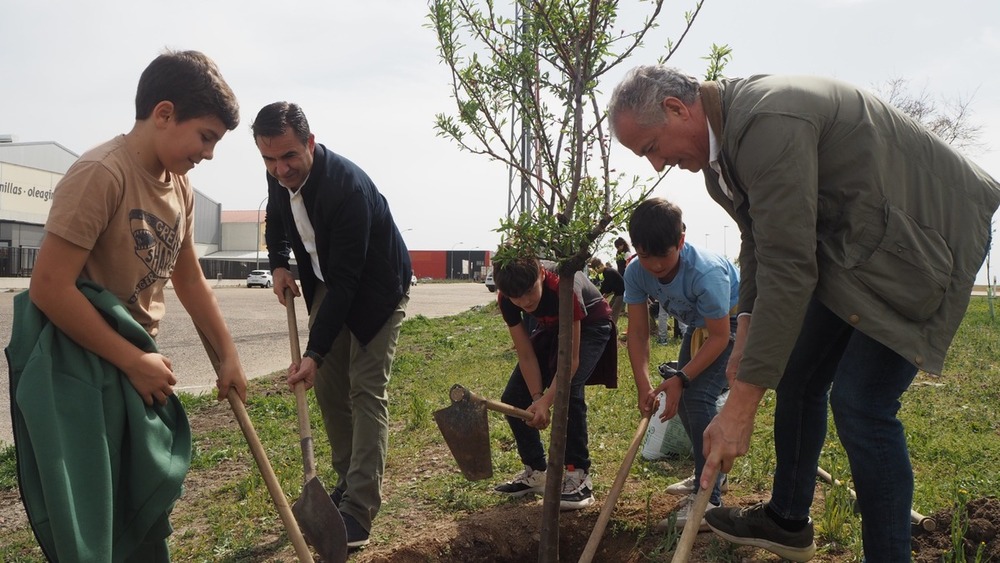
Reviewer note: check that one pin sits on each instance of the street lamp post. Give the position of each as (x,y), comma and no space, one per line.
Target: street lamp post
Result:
(706,241)
(725,235)
(453,260)
(257,262)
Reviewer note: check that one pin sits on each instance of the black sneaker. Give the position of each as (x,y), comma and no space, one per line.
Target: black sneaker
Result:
(337,496)
(577,490)
(528,481)
(357,536)
(752,526)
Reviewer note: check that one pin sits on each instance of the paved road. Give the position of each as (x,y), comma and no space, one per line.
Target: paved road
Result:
(259,325)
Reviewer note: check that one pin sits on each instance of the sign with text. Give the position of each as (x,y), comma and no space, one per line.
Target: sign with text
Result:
(26,193)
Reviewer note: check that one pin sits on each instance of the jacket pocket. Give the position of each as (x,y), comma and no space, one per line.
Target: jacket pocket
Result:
(910,268)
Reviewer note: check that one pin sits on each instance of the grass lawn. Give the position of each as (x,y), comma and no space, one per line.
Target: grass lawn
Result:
(952,424)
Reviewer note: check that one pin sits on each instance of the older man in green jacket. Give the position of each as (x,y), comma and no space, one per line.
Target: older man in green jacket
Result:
(862,234)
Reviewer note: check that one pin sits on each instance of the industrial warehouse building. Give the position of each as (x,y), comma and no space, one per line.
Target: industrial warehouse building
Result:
(29,173)
(229,243)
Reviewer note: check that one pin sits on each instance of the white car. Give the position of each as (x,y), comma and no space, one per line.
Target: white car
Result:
(489,281)
(260,278)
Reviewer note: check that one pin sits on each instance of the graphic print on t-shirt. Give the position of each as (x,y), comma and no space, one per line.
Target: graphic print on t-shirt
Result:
(156,244)
(680,310)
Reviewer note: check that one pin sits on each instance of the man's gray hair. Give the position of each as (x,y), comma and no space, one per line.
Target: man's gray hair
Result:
(643,90)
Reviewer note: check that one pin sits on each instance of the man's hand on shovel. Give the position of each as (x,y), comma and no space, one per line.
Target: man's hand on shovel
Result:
(320,520)
(726,438)
(728,435)
(301,371)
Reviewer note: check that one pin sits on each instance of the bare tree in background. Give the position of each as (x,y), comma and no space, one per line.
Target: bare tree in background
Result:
(950,119)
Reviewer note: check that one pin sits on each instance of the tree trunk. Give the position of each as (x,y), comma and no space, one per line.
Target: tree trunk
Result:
(548,546)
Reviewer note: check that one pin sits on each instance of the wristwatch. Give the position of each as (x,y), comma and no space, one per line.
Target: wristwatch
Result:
(685,380)
(667,371)
(316,358)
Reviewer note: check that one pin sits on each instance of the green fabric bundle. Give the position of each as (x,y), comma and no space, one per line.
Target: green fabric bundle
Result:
(99,471)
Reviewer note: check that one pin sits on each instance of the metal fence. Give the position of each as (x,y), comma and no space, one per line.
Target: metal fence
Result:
(17,262)
(234,270)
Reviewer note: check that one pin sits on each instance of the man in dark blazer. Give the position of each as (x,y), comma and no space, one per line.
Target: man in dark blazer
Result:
(355,273)
(862,234)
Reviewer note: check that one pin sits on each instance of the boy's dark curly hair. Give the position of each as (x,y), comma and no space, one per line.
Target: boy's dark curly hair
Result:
(656,226)
(192,82)
(516,276)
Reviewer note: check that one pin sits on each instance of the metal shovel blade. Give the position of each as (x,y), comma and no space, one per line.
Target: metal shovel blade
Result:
(466,431)
(321,522)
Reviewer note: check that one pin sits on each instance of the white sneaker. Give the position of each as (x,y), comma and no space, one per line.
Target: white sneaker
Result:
(686,487)
(684,513)
(577,490)
(528,481)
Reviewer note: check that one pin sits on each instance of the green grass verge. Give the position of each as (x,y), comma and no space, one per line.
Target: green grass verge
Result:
(951,424)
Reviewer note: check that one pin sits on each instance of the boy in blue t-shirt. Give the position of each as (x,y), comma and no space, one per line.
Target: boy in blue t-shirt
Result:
(700,289)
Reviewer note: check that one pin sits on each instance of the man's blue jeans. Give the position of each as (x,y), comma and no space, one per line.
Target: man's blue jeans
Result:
(863,381)
(697,406)
(593,340)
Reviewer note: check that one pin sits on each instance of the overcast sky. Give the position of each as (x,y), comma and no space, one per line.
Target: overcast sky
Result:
(368,76)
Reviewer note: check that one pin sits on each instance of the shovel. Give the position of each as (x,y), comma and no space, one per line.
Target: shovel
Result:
(466,430)
(609,504)
(263,464)
(916,518)
(686,543)
(320,519)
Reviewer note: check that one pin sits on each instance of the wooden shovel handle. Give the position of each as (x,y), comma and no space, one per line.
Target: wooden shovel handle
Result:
(825,476)
(917,518)
(302,406)
(686,543)
(293,326)
(263,464)
(459,393)
(616,489)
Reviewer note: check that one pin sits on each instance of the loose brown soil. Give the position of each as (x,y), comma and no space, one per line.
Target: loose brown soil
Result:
(510,532)
(984,530)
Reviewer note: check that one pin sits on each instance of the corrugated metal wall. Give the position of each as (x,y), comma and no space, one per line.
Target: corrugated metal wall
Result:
(429,263)
(207,220)
(450,264)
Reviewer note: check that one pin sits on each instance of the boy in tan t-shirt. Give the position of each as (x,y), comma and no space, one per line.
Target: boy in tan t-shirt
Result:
(123,219)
